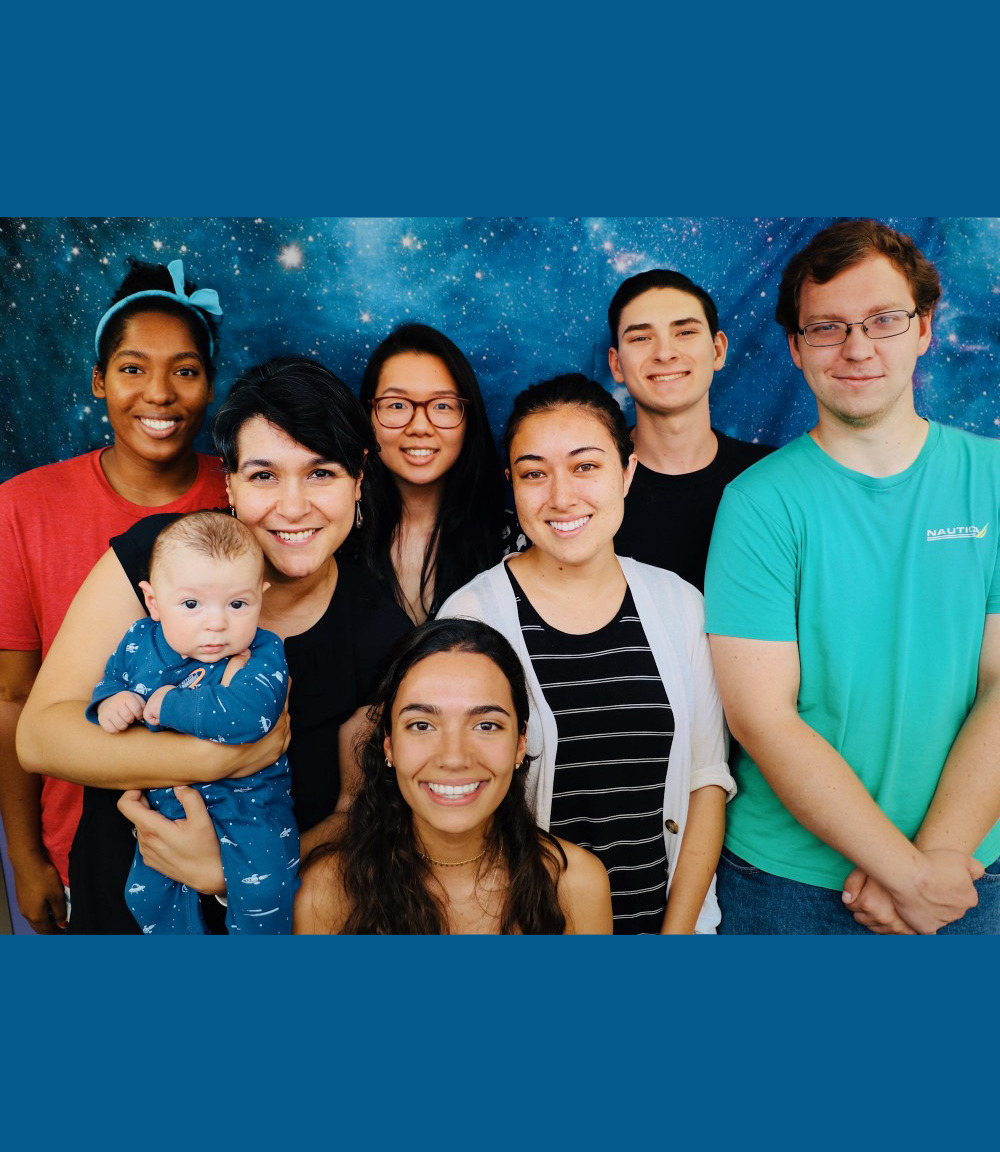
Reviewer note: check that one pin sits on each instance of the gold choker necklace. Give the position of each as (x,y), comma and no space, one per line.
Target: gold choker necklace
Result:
(452,863)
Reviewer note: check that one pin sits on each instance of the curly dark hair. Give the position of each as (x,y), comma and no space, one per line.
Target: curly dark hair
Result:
(386,878)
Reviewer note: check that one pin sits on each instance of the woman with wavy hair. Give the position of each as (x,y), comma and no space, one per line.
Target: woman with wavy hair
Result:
(440,839)
(434,497)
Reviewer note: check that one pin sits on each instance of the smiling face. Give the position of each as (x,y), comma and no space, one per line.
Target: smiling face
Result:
(454,742)
(666,354)
(299,507)
(569,484)
(862,382)
(208,607)
(156,389)
(419,453)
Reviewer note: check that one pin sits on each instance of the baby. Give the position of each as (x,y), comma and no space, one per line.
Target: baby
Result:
(200,665)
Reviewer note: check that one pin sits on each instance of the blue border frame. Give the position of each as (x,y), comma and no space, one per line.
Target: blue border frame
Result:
(783,1042)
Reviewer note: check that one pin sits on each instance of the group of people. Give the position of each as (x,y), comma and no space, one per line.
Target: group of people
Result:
(341,687)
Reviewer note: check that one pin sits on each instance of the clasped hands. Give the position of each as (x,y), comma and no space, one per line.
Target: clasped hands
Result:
(939,891)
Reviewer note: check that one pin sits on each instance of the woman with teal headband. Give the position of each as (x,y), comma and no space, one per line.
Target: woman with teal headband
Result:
(153,369)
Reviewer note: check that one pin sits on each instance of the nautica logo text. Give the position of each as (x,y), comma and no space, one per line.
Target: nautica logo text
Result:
(967,532)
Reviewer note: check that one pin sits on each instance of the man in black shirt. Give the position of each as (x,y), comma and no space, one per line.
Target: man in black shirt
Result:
(666,346)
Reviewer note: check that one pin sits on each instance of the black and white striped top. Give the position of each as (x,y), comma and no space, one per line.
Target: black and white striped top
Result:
(615,728)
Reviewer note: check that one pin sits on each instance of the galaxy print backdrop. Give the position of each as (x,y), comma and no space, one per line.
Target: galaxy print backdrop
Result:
(524,299)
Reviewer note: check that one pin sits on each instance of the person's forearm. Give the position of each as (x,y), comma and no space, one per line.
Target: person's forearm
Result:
(20,793)
(697,860)
(966,802)
(821,790)
(60,741)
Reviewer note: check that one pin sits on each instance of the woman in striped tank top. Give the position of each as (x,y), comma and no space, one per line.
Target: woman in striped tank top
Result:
(626,728)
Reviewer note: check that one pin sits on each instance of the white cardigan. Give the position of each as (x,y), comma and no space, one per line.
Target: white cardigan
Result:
(672,613)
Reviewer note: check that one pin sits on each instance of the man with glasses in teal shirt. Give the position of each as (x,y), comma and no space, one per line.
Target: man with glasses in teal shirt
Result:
(852,596)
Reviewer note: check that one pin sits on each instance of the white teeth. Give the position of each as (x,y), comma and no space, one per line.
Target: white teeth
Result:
(568,525)
(453,789)
(667,377)
(156,425)
(418,451)
(296,536)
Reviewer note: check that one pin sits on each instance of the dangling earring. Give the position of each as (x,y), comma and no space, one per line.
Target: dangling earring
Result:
(388,763)
(232,510)
(358,518)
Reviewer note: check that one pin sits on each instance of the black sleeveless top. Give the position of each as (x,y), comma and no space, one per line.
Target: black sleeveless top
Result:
(334,667)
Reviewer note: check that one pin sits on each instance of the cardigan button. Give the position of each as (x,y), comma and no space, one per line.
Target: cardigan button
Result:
(671,826)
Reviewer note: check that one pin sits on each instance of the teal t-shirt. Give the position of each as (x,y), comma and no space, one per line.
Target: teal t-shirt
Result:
(885,583)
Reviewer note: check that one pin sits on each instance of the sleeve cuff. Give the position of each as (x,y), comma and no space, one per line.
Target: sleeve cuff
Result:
(714,774)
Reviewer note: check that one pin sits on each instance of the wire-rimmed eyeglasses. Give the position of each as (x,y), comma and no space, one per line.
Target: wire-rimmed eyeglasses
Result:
(441,411)
(880,326)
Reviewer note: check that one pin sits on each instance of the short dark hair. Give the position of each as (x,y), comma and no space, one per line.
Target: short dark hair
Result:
(842,246)
(307,402)
(572,390)
(634,286)
(387,878)
(146,277)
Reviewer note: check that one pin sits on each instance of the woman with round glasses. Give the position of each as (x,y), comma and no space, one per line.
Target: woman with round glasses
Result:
(434,499)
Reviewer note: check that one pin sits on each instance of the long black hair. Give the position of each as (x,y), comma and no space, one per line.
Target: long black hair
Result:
(466,537)
(384,874)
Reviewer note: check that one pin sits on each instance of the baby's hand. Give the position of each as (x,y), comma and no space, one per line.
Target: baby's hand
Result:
(117,712)
(151,713)
(235,664)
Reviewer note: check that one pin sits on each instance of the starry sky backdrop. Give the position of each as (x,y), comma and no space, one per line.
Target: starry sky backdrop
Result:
(523,298)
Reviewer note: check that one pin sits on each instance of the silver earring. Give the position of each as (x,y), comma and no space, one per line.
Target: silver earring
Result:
(388,763)
(358,518)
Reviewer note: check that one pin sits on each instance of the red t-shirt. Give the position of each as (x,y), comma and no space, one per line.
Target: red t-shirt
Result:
(55,524)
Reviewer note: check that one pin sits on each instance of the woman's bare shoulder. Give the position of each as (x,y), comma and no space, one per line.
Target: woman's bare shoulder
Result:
(321,904)
(584,892)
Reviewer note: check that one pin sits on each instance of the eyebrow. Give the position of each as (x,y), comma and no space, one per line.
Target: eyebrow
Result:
(397,390)
(834,316)
(645,327)
(182,590)
(138,354)
(575,452)
(433,710)
(316,461)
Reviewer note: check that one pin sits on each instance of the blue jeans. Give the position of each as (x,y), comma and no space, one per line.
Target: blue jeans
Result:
(755,903)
